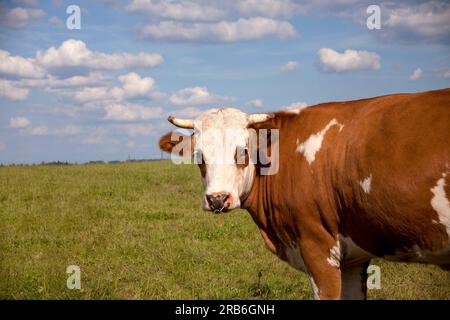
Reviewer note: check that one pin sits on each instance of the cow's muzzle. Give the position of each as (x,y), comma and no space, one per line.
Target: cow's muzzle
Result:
(219,201)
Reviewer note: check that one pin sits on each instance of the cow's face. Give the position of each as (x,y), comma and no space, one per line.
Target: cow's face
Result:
(220,145)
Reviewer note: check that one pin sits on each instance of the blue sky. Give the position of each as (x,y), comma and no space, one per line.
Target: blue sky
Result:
(104,92)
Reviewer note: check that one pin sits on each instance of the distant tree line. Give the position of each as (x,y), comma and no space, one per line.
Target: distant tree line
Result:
(66,163)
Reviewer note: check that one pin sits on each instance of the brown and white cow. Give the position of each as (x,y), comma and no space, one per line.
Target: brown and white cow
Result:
(356,180)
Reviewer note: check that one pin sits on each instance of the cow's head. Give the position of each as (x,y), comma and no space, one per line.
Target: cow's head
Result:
(221,146)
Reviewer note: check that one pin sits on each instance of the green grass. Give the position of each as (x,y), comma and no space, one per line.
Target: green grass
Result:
(137,232)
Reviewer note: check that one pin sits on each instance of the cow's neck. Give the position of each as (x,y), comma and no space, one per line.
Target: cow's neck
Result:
(263,201)
(256,202)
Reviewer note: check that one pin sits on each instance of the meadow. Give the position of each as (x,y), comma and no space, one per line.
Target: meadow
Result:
(136,231)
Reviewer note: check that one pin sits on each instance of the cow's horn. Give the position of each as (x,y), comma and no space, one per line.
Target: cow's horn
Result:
(181,123)
(259,117)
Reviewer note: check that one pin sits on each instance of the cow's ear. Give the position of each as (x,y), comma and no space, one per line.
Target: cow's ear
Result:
(168,141)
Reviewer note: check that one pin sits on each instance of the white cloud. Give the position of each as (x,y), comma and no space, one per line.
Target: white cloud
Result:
(290,66)
(19,122)
(223,31)
(206,10)
(56,22)
(350,60)
(295,107)
(197,96)
(25,124)
(52,83)
(270,8)
(447,74)
(35,131)
(74,81)
(68,130)
(402,19)
(188,112)
(134,85)
(98,93)
(131,144)
(417,74)
(95,137)
(74,53)
(256,103)
(33,3)
(177,10)
(12,92)
(58,85)
(58,3)
(130,112)
(134,130)
(427,20)
(19,66)
(19,18)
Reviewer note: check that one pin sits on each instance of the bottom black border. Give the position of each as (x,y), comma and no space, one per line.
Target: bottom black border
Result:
(222,309)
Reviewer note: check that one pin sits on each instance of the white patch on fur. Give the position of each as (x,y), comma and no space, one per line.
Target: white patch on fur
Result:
(440,203)
(294,258)
(366,184)
(335,255)
(312,145)
(314,288)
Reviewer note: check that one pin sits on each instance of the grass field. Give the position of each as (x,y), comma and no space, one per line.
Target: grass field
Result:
(137,232)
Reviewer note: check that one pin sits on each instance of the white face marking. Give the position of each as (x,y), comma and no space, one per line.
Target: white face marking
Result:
(366,183)
(440,203)
(312,145)
(218,132)
(295,258)
(314,288)
(335,255)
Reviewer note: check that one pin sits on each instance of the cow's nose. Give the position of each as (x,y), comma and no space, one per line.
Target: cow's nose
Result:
(218,201)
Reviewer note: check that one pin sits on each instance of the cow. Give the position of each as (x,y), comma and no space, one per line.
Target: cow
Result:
(355,180)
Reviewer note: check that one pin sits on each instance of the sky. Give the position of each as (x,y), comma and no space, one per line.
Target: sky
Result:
(104,91)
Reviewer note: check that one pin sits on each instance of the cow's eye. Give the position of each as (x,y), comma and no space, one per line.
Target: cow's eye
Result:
(241,155)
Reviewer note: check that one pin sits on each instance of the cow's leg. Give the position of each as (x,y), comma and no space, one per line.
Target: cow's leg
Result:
(324,277)
(354,282)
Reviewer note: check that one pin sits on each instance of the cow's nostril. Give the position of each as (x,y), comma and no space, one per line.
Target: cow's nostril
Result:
(209,198)
(217,201)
